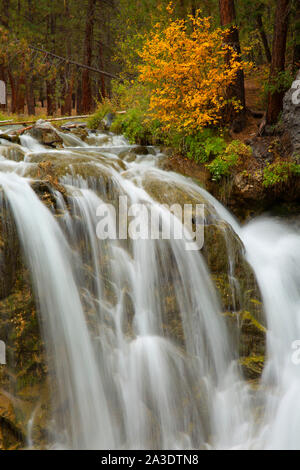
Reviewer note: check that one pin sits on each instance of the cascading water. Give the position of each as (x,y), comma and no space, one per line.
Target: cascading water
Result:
(124,378)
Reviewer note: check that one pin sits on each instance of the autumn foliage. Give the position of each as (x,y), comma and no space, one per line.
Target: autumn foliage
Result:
(189,69)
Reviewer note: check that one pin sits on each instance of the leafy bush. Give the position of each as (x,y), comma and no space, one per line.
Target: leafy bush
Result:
(281,83)
(280,172)
(137,128)
(204,145)
(184,65)
(95,121)
(223,164)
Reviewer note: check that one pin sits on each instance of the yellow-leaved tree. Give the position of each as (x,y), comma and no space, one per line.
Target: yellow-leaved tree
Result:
(189,69)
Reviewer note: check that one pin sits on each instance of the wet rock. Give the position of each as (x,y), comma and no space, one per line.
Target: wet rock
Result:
(13,152)
(80,132)
(11,138)
(71,125)
(11,435)
(238,291)
(261,149)
(140,150)
(107,121)
(45,134)
(9,249)
(168,192)
(97,140)
(247,186)
(23,382)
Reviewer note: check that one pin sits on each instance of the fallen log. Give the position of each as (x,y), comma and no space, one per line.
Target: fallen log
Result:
(15,139)
(24,123)
(66,118)
(21,131)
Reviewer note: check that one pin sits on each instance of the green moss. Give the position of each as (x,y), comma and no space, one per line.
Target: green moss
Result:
(280,172)
(252,366)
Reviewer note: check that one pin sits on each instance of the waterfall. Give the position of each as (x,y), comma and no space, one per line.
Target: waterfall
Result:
(138,347)
(273,249)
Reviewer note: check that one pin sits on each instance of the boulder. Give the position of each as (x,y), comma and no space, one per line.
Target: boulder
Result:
(239,294)
(291,114)
(107,121)
(45,134)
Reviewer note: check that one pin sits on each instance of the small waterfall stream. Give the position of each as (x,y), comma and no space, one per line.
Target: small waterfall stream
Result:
(125,379)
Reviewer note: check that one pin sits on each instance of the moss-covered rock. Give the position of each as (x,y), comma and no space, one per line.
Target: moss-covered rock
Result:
(45,134)
(23,380)
(9,249)
(239,293)
(24,375)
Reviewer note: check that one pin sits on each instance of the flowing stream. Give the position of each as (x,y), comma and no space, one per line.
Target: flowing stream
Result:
(126,380)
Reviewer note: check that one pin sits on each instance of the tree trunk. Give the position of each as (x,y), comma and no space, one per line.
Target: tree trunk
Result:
(30,96)
(4,17)
(101,81)
(51,99)
(296,51)
(79,97)
(3,107)
(264,37)
(21,89)
(4,21)
(51,82)
(236,89)
(66,109)
(87,99)
(30,79)
(275,99)
(68,79)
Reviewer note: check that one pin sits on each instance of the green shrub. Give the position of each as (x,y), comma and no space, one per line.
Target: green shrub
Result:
(223,164)
(202,146)
(135,126)
(280,172)
(95,121)
(281,83)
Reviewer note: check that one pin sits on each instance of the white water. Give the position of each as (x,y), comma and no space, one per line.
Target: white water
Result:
(124,380)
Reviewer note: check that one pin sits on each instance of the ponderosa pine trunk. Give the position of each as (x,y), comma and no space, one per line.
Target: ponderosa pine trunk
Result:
(237,88)
(51,82)
(51,98)
(68,78)
(4,21)
(30,96)
(87,98)
(275,98)
(296,51)
(101,81)
(264,38)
